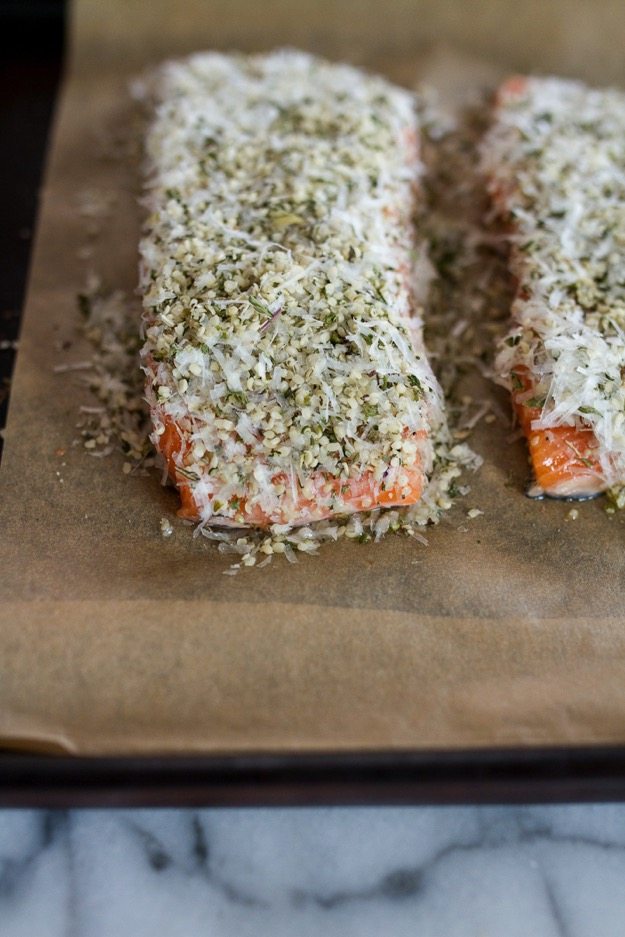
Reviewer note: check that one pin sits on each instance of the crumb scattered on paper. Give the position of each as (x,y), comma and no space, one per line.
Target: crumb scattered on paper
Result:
(166,528)
(120,420)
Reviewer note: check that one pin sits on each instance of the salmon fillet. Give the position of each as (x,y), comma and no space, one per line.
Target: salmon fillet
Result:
(285,368)
(554,160)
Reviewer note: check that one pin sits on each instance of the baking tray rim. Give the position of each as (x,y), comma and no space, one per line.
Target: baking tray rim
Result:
(549,774)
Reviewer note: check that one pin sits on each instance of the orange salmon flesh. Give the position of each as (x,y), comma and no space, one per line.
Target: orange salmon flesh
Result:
(564,458)
(359,494)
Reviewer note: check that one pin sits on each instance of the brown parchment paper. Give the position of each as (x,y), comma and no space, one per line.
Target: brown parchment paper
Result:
(507,630)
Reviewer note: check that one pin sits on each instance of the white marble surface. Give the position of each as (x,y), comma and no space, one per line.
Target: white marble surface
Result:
(391,872)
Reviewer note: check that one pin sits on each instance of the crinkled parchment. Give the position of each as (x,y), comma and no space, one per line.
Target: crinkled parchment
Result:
(507,629)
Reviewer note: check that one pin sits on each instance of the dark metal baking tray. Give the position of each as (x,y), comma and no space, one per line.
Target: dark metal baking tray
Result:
(32,39)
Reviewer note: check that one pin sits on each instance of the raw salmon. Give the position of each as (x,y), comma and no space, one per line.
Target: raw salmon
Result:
(285,368)
(555,165)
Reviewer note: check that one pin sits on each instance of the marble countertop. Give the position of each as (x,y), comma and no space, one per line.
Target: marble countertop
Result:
(340,872)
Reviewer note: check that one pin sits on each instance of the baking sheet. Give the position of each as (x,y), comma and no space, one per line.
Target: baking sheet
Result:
(508,630)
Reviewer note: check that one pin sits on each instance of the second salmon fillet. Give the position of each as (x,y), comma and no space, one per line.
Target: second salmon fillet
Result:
(555,164)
